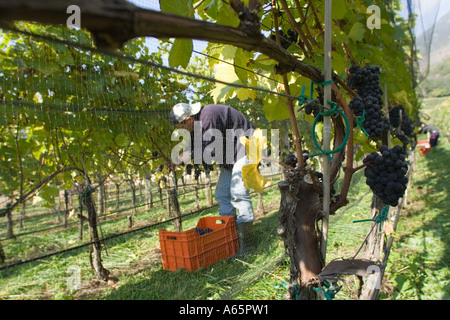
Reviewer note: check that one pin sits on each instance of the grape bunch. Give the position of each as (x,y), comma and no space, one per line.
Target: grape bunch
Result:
(313,107)
(291,158)
(405,126)
(198,170)
(386,174)
(286,39)
(365,80)
(374,121)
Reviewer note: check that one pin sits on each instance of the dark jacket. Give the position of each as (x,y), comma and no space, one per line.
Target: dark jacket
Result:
(229,124)
(428,128)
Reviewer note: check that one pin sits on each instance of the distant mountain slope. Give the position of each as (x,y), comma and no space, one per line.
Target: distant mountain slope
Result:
(440,48)
(437,82)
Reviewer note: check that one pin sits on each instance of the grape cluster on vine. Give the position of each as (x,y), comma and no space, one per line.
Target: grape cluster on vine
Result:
(402,123)
(291,159)
(286,39)
(365,80)
(313,107)
(386,174)
(197,169)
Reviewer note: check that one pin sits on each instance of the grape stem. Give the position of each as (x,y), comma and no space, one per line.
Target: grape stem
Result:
(280,163)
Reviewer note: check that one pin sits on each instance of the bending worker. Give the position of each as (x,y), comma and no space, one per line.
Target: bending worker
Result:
(226,123)
(432,131)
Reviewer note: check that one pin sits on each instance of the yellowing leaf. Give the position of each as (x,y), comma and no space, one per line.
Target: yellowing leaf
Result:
(255,146)
(243,94)
(252,178)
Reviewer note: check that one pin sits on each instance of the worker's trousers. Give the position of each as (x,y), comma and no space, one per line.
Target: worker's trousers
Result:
(231,194)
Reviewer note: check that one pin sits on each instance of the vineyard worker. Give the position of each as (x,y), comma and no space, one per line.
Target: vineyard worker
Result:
(433,131)
(230,193)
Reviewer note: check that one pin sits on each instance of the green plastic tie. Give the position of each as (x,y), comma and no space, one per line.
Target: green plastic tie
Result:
(347,132)
(324,83)
(86,192)
(382,216)
(330,112)
(285,285)
(360,122)
(302,99)
(331,292)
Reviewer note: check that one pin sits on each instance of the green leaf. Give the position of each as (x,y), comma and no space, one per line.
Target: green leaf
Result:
(181,52)
(122,140)
(339,9)
(48,194)
(338,62)
(357,32)
(275,109)
(241,58)
(220,92)
(178,7)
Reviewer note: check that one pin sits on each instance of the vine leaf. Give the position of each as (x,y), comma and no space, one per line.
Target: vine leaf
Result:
(275,109)
(339,9)
(254,147)
(181,52)
(357,32)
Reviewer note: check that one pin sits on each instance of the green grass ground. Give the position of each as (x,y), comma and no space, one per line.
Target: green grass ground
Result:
(419,263)
(417,269)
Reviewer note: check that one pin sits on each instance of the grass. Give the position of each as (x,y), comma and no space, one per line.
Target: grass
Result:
(419,263)
(417,268)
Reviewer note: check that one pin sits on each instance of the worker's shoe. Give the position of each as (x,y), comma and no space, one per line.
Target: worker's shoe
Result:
(245,238)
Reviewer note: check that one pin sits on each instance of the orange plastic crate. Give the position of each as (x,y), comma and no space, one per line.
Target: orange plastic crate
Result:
(190,251)
(424,146)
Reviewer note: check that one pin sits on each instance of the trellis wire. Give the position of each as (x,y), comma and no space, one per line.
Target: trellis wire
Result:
(148,226)
(148,63)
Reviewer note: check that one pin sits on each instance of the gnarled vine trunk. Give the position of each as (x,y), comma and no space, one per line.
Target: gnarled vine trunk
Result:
(95,249)
(300,209)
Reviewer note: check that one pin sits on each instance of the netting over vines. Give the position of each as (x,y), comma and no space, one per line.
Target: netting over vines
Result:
(80,116)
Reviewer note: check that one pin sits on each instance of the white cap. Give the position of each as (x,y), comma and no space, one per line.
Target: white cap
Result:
(181,111)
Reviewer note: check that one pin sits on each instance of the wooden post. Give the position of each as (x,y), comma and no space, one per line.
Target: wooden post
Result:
(2,254)
(80,217)
(174,200)
(133,194)
(176,209)
(117,195)
(260,207)
(326,131)
(197,198)
(10,233)
(22,216)
(66,211)
(148,192)
(208,191)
